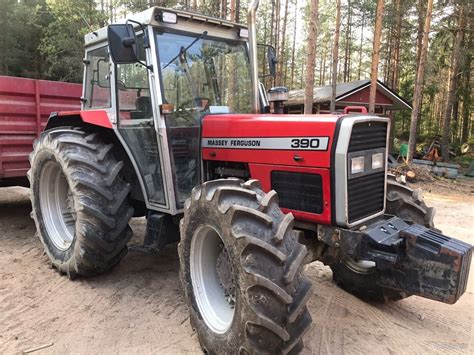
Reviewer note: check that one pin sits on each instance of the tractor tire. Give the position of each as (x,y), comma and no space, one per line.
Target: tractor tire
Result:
(408,204)
(79,202)
(360,277)
(241,267)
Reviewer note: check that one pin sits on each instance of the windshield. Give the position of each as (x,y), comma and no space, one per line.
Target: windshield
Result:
(203,75)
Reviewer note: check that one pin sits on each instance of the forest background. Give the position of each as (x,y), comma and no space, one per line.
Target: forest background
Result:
(317,41)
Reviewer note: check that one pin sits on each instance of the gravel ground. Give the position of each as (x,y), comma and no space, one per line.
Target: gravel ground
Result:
(139,307)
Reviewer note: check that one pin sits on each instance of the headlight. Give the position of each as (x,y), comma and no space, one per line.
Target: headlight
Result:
(357,165)
(377,161)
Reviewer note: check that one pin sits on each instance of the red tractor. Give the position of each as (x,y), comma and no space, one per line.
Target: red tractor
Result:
(175,126)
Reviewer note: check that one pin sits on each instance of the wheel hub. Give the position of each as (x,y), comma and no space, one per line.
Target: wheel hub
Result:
(225,275)
(213,280)
(57,206)
(360,266)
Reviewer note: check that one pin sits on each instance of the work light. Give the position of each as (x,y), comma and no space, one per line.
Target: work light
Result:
(377,161)
(168,17)
(357,165)
(244,33)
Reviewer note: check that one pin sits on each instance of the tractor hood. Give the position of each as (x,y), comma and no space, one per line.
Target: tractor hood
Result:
(298,140)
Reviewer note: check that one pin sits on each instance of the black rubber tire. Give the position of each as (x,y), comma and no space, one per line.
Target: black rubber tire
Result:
(100,201)
(270,312)
(408,205)
(363,284)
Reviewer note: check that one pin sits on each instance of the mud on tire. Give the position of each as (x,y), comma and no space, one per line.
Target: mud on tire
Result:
(97,208)
(266,260)
(402,202)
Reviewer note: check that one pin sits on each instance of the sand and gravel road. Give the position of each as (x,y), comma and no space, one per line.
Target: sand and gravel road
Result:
(139,307)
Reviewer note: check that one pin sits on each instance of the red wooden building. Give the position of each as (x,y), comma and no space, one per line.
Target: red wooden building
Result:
(354,93)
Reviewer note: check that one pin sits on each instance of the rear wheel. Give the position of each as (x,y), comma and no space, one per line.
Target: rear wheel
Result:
(359,277)
(79,202)
(242,270)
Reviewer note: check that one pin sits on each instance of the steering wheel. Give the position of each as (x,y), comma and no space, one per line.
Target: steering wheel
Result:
(184,105)
(121,85)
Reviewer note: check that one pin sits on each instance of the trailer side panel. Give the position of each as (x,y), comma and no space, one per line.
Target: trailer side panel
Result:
(25,106)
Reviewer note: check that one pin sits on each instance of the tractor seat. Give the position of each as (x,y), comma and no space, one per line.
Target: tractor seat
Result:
(143,108)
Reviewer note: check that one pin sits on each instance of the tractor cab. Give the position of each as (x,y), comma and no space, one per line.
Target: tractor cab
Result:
(157,75)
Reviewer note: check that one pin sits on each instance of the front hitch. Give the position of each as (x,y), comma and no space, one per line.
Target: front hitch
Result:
(409,258)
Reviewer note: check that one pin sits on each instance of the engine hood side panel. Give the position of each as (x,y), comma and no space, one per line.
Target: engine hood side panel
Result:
(292,140)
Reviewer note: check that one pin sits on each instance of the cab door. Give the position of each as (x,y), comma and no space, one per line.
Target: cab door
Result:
(135,124)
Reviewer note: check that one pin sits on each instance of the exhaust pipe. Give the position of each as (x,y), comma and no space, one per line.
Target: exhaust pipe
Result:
(252,27)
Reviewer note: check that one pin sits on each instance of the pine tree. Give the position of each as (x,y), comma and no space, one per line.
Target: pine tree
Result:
(376,55)
(335,56)
(453,80)
(310,61)
(419,81)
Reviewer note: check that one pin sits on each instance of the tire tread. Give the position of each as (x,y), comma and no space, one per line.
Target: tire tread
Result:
(103,212)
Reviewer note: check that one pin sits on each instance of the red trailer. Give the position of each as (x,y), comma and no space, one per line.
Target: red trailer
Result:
(25,106)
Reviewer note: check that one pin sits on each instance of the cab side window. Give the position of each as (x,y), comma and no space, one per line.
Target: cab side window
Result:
(135,124)
(98,94)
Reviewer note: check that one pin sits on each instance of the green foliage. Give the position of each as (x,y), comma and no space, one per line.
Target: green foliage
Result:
(23,24)
(62,43)
(45,38)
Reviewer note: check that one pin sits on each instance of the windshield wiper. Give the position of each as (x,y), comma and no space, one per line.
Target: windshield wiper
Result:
(183,50)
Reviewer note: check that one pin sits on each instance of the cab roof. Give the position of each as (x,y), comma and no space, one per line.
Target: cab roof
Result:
(151,16)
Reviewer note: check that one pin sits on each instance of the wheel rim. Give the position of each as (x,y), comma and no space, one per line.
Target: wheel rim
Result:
(216,306)
(360,266)
(57,206)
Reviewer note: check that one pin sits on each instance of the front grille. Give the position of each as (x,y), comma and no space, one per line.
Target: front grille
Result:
(366,196)
(298,191)
(368,135)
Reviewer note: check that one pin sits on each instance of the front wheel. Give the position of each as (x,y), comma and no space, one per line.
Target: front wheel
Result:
(241,267)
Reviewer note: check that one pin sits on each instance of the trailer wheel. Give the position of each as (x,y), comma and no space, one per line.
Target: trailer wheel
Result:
(360,277)
(241,267)
(79,202)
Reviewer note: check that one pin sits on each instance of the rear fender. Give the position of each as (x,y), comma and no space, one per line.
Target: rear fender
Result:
(73,118)
(98,121)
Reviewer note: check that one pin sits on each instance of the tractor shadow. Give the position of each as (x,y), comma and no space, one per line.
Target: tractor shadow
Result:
(17,230)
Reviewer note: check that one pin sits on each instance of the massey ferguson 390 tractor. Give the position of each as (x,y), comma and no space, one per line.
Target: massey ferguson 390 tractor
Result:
(175,126)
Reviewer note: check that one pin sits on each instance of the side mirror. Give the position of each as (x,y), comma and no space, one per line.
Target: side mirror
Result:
(122,44)
(268,56)
(272,60)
